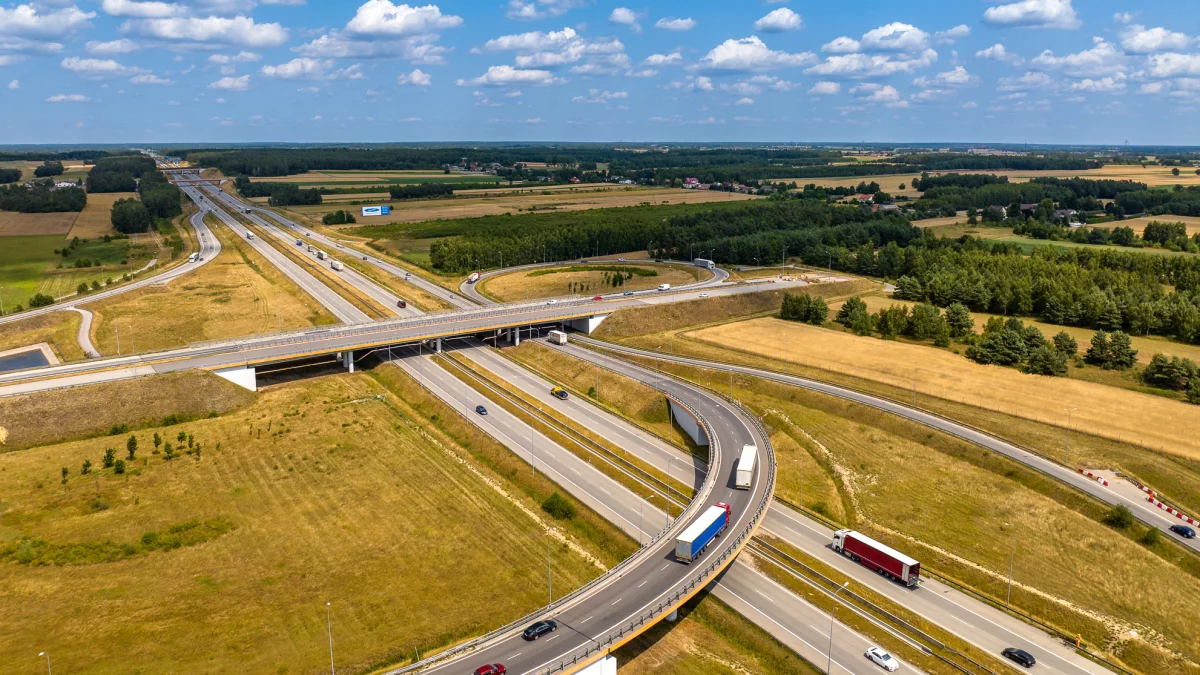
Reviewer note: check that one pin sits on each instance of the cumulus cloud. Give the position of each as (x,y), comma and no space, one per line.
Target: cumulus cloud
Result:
(949,37)
(416,78)
(240,57)
(600,96)
(895,37)
(382,18)
(304,68)
(878,93)
(150,78)
(841,45)
(418,49)
(1141,40)
(111,48)
(1103,85)
(778,21)
(503,76)
(625,17)
(68,98)
(660,60)
(30,21)
(1033,14)
(872,65)
(744,101)
(530,42)
(1173,65)
(1026,82)
(14,84)
(750,54)
(1102,59)
(142,10)
(675,24)
(1122,17)
(232,83)
(959,77)
(825,88)
(997,52)
(530,10)
(238,30)
(97,68)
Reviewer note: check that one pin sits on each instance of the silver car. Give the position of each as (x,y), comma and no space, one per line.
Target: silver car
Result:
(883,659)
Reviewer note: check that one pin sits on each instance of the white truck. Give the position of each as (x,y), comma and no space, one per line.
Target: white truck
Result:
(321,255)
(664,287)
(193,257)
(705,263)
(310,248)
(745,467)
(557,337)
(337,266)
(249,235)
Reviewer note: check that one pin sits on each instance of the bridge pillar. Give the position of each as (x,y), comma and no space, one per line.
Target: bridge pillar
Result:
(350,361)
(243,376)
(588,324)
(673,616)
(516,333)
(439,346)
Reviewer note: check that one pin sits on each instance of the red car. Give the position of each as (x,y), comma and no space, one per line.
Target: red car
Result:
(597,298)
(491,669)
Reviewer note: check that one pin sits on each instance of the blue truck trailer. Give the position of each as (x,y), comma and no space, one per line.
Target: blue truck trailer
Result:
(700,534)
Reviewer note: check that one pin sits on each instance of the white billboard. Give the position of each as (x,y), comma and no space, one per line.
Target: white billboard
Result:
(376,210)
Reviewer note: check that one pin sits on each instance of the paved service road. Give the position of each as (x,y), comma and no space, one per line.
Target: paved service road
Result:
(85,332)
(1145,512)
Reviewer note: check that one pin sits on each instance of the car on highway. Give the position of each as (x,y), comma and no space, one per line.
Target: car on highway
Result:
(620,260)
(551,302)
(1184,531)
(481,410)
(491,669)
(627,293)
(704,295)
(1019,656)
(364,257)
(539,629)
(598,297)
(882,659)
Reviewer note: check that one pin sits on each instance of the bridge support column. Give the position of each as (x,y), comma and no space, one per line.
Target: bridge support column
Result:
(243,376)
(587,325)
(349,356)
(687,422)
(673,616)
(516,333)
(439,346)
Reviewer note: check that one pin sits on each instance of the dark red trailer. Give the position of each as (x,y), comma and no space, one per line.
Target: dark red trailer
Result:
(876,556)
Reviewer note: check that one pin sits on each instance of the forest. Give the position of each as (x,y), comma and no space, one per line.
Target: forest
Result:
(41,198)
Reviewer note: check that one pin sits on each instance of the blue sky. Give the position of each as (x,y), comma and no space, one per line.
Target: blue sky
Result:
(1038,71)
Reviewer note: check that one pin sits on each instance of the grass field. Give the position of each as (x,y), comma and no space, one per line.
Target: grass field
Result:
(23,263)
(13,224)
(397,177)
(1139,224)
(58,329)
(327,484)
(528,284)
(413,211)
(1172,426)
(96,218)
(237,294)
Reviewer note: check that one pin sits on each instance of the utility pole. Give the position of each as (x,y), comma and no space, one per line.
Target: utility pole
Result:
(667,500)
(783,261)
(832,612)
(132,348)
(329,629)
(1069,411)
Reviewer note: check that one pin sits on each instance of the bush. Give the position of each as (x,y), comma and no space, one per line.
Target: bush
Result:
(40,300)
(1119,517)
(1151,537)
(804,308)
(338,218)
(558,507)
(1175,373)
(1066,344)
(130,215)
(119,466)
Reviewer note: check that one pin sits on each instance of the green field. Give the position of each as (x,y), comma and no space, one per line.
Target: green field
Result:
(29,265)
(23,263)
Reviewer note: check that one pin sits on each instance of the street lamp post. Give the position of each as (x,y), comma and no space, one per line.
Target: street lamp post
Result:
(668,498)
(47,655)
(1069,411)
(549,581)
(132,348)
(832,612)
(1012,554)
(117,332)
(329,630)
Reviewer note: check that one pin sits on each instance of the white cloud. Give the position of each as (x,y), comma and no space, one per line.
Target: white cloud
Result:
(1104,85)
(238,30)
(959,77)
(534,120)
(232,83)
(304,68)
(744,101)
(142,10)
(750,54)
(14,84)
(382,18)
(1122,17)
(530,10)
(240,57)
(416,77)
(1173,65)
(30,22)
(949,37)
(97,68)
(1141,40)
(598,96)
(316,118)
(1033,14)
(895,37)
(872,65)
(532,41)
(625,17)
(417,49)
(970,105)
(1102,59)
(878,93)
(68,98)
(150,78)
(997,52)
(1153,88)
(778,21)
(10,59)
(1026,82)
(675,24)
(122,46)
(825,88)
(660,60)
(842,45)
(501,76)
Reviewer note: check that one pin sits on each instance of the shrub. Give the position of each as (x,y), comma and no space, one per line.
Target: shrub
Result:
(558,507)
(119,466)
(110,456)
(1066,344)
(1151,537)
(1119,517)
(40,300)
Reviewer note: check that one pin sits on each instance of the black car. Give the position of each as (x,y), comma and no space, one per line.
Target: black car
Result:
(1019,656)
(539,629)
(481,410)
(1184,531)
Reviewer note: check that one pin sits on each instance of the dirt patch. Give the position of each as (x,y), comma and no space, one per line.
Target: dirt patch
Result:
(14,224)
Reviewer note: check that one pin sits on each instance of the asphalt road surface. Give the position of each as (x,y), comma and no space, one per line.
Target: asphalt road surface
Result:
(471,290)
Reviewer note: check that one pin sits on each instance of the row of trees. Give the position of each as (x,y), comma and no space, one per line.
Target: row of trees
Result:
(280,194)
(129,215)
(42,197)
(160,197)
(804,308)
(1174,374)
(119,174)
(422,191)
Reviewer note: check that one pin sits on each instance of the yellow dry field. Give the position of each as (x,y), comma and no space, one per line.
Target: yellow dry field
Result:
(889,183)
(336,492)
(13,224)
(58,329)
(1147,346)
(1105,411)
(95,220)
(434,209)
(237,294)
(527,285)
(350,177)
(1139,224)
(1153,176)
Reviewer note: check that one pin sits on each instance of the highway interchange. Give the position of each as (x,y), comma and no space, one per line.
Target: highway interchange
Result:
(785,615)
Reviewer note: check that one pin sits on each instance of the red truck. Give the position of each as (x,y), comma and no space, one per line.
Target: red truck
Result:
(879,557)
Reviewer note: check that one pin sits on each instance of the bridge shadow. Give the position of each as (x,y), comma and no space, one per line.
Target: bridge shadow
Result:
(652,635)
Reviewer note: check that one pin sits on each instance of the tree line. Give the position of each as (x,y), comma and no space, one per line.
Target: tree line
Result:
(120,173)
(280,194)
(41,197)
(10,175)
(422,191)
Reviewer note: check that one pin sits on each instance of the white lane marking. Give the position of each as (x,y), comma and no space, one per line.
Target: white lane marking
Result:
(549,639)
(515,655)
(769,599)
(614,602)
(642,584)
(585,621)
(784,628)
(665,567)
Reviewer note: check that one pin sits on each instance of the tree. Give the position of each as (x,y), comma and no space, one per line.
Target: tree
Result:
(1119,517)
(49,168)
(130,215)
(119,466)
(65,471)
(1099,353)
(892,321)
(960,321)
(131,445)
(1193,391)
(1175,171)
(1065,343)
(157,442)
(110,456)
(81,288)
(925,322)
(1123,355)
(851,310)
(1170,373)
(909,288)
(168,452)
(86,468)
(40,300)
(1046,360)
(818,312)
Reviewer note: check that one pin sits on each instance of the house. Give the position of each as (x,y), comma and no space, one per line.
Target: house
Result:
(865,199)
(626,182)
(691,183)
(1065,213)
(998,210)
(574,179)
(66,184)
(1029,208)
(888,207)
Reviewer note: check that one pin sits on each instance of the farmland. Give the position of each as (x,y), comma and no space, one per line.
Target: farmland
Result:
(533,284)
(315,483)
(96,218)
(13,224)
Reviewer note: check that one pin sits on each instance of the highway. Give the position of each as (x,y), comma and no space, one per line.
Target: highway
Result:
(210,246)
(1144,512)
(327,297)
(471,290)
(973,620)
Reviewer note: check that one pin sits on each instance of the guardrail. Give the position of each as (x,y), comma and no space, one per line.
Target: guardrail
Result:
(614,572)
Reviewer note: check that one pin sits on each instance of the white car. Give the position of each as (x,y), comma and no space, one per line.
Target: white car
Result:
(883,659)
(551,302)
(704,295)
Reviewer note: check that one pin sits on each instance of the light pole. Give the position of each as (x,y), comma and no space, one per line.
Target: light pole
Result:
(832,611)
(329,630)
(668,499)
(549,581)
(117,332)
(1069,411)
(47,655)
(1012,554)
(132,349)
(914,383)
